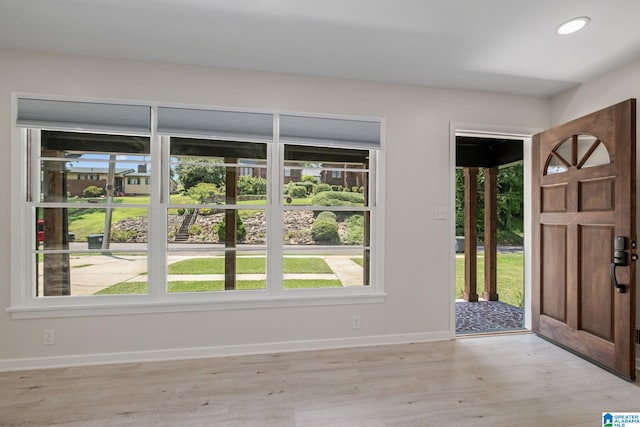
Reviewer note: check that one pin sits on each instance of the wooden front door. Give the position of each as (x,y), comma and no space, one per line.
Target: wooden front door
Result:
(584,216)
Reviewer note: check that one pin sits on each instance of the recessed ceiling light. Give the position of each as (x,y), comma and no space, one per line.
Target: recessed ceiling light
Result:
(573,25)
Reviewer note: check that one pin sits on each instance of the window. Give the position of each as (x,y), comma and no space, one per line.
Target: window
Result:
(221,219)
(336,174)
(230,239)
(579,151)
(57,273)
(336,218)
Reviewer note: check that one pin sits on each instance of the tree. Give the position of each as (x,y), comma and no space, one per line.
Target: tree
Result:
(510,201)
(204,192)
(510,194)
(92,191)
(199,170)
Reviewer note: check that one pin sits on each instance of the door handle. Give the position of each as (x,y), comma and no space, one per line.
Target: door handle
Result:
(619,287)
(620,258)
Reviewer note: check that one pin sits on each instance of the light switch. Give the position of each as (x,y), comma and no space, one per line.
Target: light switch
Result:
(440,212)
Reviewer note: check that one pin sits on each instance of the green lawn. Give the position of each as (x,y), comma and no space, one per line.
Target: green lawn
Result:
(214,285)
(245,265)
(83,222)
(249,266)
(510,277)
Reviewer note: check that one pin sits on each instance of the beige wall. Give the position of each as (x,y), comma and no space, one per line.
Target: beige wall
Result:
(418,248)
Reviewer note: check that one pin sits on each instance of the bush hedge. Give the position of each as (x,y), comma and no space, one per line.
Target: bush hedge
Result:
(334,198)
(92,191)
(241,231)
(253,185)
(297,191)
(325,230)
(320,188)
(327,215)
(308,185)
(355,230)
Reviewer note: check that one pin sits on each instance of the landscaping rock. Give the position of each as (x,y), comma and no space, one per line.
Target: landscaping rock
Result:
(296,228)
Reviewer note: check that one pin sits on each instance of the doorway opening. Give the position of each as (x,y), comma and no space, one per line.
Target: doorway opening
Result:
(490,229)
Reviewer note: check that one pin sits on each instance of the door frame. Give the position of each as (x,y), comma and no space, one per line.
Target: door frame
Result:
(486,130)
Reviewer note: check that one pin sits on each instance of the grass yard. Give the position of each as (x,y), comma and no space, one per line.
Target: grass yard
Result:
(510,277)
(249,265)
(358,260)
(91,221)
(245,265)
(129,288)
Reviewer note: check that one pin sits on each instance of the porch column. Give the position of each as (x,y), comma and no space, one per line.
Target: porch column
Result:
(56,266)
(490,233)
(231,182)
(470,234)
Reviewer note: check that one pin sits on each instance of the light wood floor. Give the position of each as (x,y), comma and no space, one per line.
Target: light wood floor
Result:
(509,380)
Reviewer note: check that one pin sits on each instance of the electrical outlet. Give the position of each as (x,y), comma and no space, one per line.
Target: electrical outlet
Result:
(356,322)
(49,338)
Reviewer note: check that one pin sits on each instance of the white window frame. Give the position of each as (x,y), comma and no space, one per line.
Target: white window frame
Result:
(26,305)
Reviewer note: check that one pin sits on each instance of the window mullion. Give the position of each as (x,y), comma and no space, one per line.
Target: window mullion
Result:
(275,250)
(157,217)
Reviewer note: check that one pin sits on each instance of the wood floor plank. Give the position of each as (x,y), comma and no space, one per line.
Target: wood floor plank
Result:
(484,381)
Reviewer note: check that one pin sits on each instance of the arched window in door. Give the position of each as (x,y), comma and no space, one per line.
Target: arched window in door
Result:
(579,151)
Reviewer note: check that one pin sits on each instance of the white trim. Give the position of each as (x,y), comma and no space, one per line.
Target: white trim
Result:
(509,132)
(291,298)
(217,351)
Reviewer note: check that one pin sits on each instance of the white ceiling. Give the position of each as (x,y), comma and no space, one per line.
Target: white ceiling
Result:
(507,46)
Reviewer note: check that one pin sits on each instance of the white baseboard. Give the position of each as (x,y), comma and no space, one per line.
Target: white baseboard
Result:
(216,351)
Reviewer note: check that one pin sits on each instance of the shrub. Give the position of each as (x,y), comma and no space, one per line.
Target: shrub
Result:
(325,230)
(122,236)
(181,211)
(355,230)
(297,191)
(334,198)
(205,211)
(252,185)
(355,189)
(308,185)
(309,178)
(336,187)
(241,231)
(322,188)
(92,191)
(327,215)
(195,230)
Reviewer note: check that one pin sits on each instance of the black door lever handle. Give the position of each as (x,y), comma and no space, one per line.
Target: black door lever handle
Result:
(619,287)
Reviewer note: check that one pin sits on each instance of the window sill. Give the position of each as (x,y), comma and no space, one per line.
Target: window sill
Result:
(90,310)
